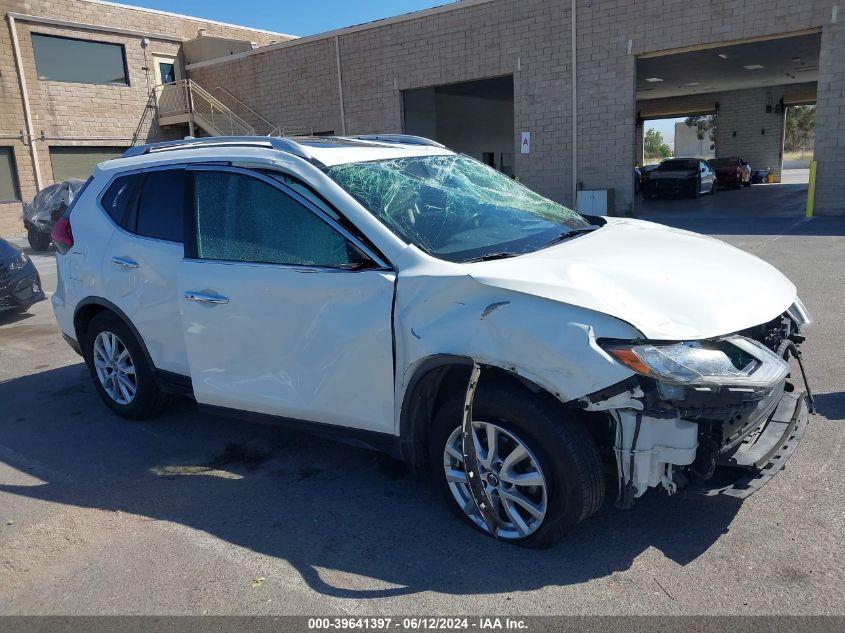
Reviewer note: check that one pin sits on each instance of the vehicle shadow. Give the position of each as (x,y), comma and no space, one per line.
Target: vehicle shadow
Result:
(10,317)
(315,503)
(830,405)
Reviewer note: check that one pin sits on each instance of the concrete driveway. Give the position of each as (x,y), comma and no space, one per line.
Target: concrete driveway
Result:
(191,514)
(786,199)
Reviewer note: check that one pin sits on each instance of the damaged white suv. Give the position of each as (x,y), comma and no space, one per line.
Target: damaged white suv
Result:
(386,289)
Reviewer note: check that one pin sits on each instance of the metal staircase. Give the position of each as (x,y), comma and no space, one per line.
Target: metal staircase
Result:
(186,102)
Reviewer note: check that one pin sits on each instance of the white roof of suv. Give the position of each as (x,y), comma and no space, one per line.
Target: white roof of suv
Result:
(327,151)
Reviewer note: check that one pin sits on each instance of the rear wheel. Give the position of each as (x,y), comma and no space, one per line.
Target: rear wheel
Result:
(541,472)
(119,368)
(38,241)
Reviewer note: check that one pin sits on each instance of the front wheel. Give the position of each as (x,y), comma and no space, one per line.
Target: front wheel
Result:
(119,368)
(38,241)
(540,469)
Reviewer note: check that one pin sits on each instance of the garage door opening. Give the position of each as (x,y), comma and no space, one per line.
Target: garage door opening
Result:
(474,118)
(735,96)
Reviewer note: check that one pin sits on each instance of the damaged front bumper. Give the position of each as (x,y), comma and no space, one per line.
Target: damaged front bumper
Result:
(728,438)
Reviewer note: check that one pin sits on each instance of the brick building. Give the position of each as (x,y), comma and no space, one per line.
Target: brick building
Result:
(70,116)
(580,77)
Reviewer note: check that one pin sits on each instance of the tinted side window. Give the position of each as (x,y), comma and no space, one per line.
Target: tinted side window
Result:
(240,218)
(161,208)
(121,197)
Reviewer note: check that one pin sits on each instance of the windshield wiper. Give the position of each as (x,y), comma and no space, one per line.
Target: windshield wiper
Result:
(490,256)
(570,233)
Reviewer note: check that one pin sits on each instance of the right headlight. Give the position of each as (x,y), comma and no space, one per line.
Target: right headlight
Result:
(733,360)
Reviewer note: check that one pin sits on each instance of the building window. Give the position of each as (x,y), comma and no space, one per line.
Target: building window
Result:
(79,61)
(9,189)
(79,162)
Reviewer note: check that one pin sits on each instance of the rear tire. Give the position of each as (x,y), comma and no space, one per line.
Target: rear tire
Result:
(38,241)
(559,446)
(119,369)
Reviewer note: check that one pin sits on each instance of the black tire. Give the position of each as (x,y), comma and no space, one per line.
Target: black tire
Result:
(38,241)
(713,189)
(148,399)
(694,189)
(565,451)
(747,184)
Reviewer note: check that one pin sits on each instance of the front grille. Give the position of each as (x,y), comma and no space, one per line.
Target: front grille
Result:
(7,302)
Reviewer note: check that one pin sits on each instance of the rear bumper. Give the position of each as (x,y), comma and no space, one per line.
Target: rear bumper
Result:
(763,454)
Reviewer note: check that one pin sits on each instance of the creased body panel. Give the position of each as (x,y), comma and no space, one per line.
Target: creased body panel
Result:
(668,283)
(549,343)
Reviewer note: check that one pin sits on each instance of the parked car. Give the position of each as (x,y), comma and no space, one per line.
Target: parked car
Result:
(759,176)
(679,177)
(731,172)
(387,289)
(49,205)
(20,283)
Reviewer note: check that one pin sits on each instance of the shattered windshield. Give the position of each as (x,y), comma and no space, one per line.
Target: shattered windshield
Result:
(456,208)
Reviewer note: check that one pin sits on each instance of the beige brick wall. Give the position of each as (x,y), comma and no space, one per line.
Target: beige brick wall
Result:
(61,109)
(531,40)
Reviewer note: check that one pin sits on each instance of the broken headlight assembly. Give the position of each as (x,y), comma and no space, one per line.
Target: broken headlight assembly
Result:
(730,361)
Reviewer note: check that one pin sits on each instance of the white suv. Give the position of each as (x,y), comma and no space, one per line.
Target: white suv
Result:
(387,289)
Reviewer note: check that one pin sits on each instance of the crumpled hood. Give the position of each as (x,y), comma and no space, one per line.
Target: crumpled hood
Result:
(668,283)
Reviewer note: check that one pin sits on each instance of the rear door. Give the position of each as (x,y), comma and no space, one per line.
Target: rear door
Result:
(278,315)
(141,260)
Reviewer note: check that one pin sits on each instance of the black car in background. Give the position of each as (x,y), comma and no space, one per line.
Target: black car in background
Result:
(687,177)
(20,284)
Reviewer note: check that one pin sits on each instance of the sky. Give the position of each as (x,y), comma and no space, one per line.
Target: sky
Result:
(286,16)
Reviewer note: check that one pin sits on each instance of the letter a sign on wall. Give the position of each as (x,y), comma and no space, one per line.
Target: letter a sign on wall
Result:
(526,143)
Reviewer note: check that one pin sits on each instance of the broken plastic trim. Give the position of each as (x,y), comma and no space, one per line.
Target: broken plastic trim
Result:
(476,486)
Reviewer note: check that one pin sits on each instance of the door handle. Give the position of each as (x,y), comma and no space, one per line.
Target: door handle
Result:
(199,297)
(124,263)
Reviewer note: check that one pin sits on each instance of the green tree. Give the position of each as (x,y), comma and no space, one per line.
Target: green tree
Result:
(654,147)
(800,128)
(705,126)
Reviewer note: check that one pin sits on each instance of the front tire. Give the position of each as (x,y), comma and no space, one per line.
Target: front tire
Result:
(546,473)
(119,368)
(38,241)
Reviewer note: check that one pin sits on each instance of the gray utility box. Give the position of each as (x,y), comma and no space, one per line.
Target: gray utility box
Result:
(595,202)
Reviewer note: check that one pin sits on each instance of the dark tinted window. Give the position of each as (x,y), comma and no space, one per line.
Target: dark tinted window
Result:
(121,197)
(679,165)
(9,191)
(79,61)
(161,208)
(241,218)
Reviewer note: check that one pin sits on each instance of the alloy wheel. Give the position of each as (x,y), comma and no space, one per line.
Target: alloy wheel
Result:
(115,368)
(512,477)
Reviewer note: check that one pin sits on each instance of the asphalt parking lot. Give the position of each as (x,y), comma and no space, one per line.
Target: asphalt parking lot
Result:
(191,514)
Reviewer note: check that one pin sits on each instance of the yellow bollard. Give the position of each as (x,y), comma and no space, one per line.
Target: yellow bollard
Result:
(811,190)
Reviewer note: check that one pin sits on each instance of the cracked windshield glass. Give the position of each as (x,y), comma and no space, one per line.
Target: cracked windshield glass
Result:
(457,208)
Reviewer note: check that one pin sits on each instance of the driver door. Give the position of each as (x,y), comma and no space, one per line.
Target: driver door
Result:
(278,315)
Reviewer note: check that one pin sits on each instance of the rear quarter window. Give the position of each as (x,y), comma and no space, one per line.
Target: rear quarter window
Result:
(121,197)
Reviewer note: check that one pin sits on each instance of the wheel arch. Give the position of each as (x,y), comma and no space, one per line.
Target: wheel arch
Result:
(89,308)
(435,380)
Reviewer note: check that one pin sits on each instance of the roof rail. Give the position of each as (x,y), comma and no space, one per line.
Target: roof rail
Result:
(273,142)
(404,139)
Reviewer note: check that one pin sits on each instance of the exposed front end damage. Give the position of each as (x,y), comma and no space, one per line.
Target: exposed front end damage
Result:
(721,415)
